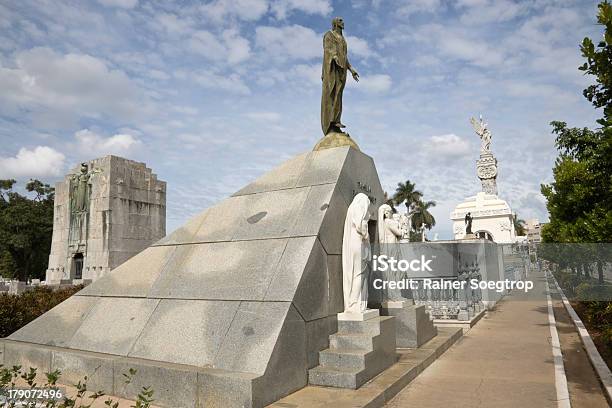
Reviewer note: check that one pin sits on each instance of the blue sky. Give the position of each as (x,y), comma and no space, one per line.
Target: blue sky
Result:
(212,94)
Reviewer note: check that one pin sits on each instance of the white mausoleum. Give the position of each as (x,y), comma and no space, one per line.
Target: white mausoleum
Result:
(491,218)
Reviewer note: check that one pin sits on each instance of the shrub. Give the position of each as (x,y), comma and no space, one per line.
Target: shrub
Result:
(18,310)
(14,377)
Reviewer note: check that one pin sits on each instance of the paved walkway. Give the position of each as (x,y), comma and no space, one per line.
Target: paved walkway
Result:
(504,361)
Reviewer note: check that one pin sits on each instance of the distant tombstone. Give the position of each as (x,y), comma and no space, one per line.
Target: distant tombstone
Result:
(16,287)
(106,211)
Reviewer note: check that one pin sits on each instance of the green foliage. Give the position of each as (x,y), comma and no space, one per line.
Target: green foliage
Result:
(7,265)
(519,225)
(9,377)
(599,64)
(422,218)
(579,200)
(18,310)
(406,193)
(26,228)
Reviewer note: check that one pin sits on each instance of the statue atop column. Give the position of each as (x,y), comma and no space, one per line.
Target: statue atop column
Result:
(482,130)
(335,67)
(486,166)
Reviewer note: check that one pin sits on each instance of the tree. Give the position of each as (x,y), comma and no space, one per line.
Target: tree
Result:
(389,201)
(579,200)
(599,64)
(26,228)
(406,193)
(422,218)
(519,225)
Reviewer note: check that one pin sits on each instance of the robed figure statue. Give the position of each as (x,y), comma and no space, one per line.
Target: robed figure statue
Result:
(335,65)
(356,254)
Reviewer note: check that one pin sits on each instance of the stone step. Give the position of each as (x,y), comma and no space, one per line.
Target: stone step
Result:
(371,326)
(358,352)
(333,377)
(354,341)
(345,358)
(344,375)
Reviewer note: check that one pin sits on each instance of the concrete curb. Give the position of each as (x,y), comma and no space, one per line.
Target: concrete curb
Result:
(600,366)
(563,397)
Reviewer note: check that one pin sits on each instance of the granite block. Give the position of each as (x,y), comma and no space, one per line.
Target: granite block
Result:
(252,337)
(282,177)
(113,325)
(240,270)
(27,356)
(133,278)
(185,331)
(58,325)
(174,386)
(76,365)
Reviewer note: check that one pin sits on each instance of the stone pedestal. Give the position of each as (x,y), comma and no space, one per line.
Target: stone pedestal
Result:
(463,315)
(335,139)
(413,326)
(359,316)
(357,353)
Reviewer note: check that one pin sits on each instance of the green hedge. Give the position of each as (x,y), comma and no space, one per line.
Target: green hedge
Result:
(18,310)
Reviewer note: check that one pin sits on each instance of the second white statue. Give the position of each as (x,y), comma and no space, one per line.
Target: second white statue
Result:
(356,255)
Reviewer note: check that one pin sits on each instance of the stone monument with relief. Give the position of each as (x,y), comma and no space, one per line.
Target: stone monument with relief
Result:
(106,211)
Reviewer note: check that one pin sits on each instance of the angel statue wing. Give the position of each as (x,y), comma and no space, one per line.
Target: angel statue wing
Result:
(480,127)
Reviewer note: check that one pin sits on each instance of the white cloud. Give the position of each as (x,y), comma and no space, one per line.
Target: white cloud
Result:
(378,83)
(358,46)
(248,10)
(42,161)
(93,144)
(264,116)
(126,4)
(238,47)
(283,7)
(454,42)
(310,73)
(227,82)
(419,6)
(483,12)
(231,47)
(174,24)
(71,85)
(449,145)
(289,42)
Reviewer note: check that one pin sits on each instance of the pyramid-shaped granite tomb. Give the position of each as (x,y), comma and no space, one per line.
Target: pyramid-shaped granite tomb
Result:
(229,310)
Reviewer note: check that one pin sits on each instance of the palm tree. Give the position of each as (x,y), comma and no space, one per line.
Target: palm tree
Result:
(519,225)
(389,201)
(422,218)
(405,193)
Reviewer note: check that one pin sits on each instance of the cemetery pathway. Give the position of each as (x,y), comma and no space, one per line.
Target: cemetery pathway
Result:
(506,360)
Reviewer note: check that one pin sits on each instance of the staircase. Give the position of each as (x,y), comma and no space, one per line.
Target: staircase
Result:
(358,352)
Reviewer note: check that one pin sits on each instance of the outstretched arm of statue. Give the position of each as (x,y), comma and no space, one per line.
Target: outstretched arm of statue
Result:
(353,71)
